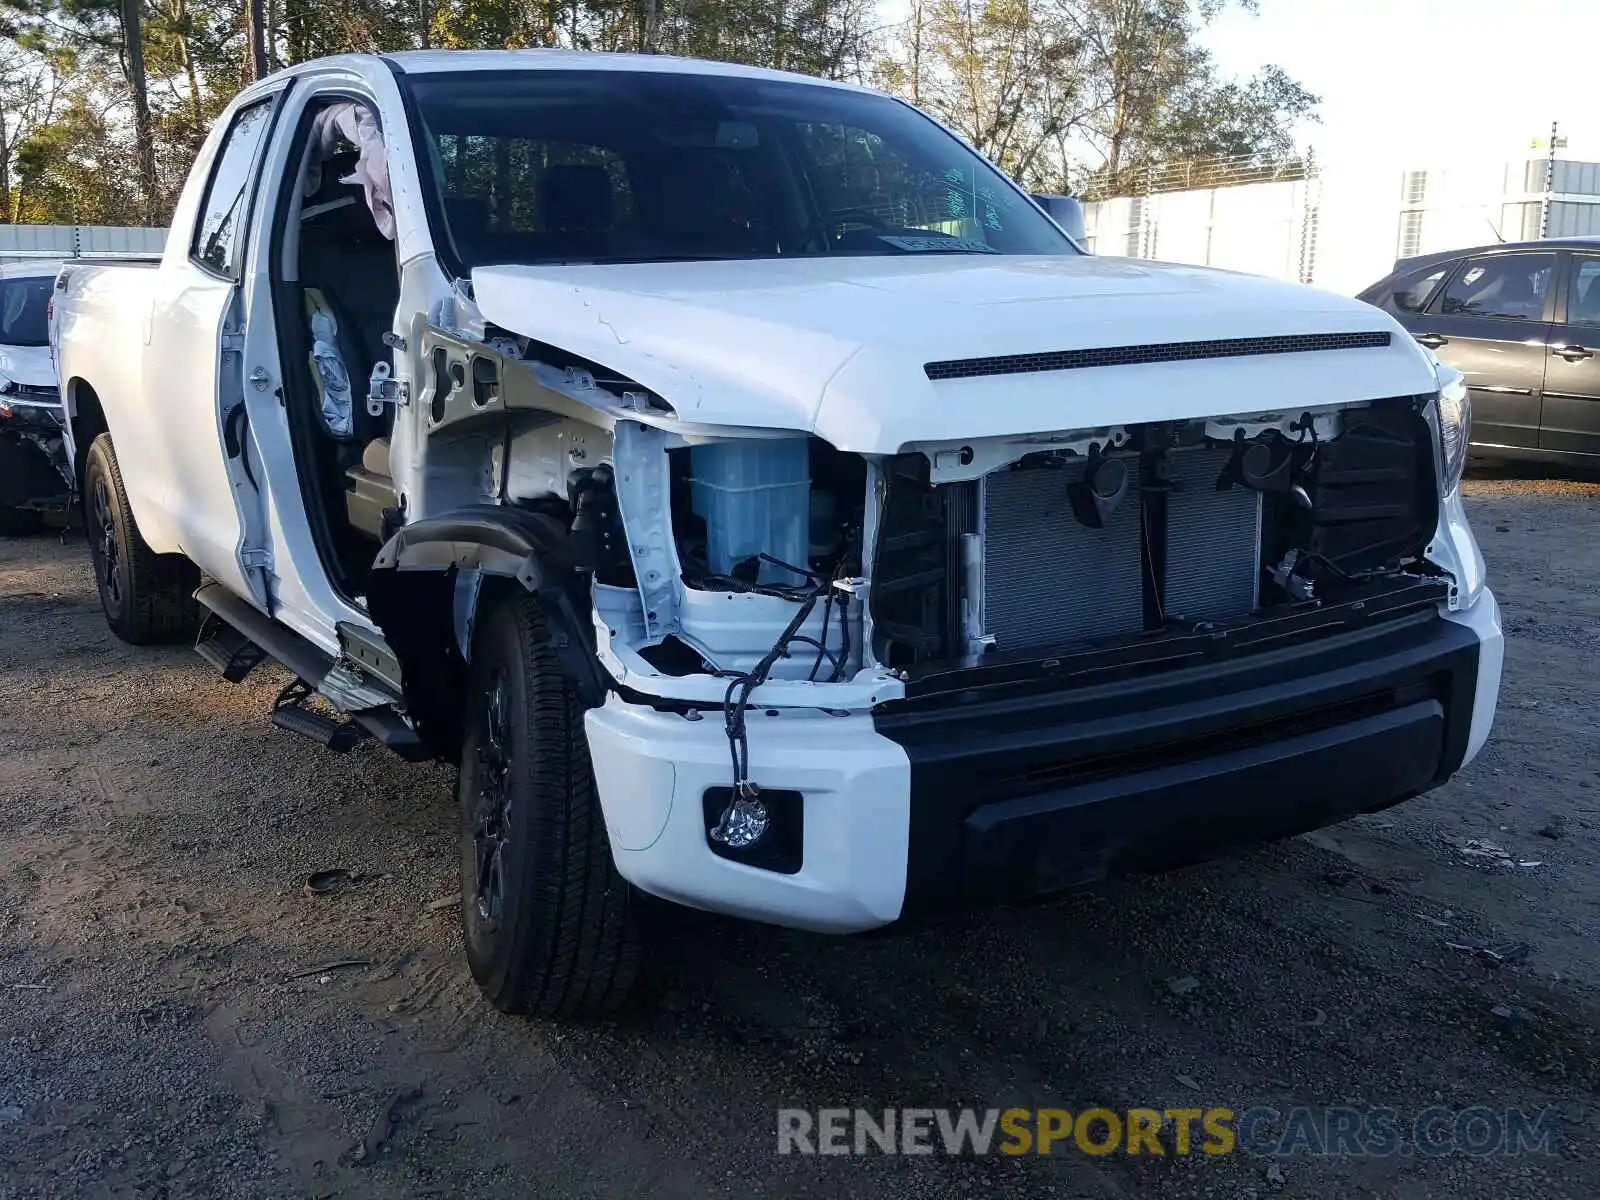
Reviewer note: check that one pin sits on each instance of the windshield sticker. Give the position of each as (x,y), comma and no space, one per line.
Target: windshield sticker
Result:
(991,214)
(955,196)
(935,243)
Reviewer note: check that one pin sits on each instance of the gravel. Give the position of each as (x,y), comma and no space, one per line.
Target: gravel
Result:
(171,1024)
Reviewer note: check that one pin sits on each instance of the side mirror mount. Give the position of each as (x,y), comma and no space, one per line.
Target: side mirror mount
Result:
(1065,211)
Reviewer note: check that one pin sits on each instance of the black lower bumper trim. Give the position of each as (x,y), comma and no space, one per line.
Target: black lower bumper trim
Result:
(28,477)
(1017,797)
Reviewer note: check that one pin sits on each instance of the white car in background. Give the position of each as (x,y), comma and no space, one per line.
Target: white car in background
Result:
(34,477)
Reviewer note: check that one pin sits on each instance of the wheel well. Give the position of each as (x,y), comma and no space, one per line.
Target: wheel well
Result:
(426,616)
(88,423)
(415,610)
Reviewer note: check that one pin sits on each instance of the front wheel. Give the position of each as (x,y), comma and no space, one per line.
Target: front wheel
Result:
(549,924)
(148,597)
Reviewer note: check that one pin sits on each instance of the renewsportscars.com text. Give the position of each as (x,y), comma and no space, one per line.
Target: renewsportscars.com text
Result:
(1261,1131)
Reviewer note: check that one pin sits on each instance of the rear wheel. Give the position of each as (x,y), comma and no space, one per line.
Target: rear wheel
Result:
(549,924)
(20,522)
(148,597)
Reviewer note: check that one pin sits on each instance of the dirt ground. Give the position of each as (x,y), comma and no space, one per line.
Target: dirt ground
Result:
(172,1023)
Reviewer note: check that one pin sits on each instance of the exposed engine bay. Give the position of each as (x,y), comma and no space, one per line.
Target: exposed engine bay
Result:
(1150,529)
(776,553)
(724,562)
(1117,534)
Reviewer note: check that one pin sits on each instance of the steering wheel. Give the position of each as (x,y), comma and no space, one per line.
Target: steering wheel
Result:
(844,216)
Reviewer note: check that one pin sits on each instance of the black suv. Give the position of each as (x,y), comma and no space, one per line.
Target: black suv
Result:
(1522,322)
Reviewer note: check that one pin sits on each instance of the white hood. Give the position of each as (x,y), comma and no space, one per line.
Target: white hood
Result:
(836,346)
(28,365)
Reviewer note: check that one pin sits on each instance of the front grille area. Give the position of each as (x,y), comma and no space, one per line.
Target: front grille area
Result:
(1047,579)
(1012,575)
(1121,356)
(1050,580)
(1213,541)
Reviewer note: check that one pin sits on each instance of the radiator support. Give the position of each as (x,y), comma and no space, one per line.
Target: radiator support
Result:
(1174,551)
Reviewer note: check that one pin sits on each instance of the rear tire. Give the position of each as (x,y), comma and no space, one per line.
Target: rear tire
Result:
(148,597)
(549,925)
(20,522)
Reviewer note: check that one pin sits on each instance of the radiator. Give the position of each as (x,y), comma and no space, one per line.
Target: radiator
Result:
(1046,578)
(1213,540)
(1049,580)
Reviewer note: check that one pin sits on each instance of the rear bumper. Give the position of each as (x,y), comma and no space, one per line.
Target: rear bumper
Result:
(928,806)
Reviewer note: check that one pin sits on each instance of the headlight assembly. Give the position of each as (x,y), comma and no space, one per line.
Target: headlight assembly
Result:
(1455,427)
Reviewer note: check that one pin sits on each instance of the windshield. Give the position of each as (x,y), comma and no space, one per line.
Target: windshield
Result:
(22,310)
(550,166)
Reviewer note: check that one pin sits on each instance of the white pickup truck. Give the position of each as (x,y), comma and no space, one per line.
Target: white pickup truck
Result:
(768,507)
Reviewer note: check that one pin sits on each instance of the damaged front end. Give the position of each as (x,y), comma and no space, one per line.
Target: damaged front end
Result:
(34,474)
(949,558)
(767,573)
(751,573)
(1151,543)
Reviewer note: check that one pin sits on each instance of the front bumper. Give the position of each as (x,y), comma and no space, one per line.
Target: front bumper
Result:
(30,476)
(917,807)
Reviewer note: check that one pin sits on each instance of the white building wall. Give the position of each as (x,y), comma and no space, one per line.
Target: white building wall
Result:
(1344,228)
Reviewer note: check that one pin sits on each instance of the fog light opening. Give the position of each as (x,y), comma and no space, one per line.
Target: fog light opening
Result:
(762,828)
(744,821)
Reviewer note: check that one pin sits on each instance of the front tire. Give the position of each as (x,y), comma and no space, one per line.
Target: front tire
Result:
(549,924)
(148,597)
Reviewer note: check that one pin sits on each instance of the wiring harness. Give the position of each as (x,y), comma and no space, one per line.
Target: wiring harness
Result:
(741,684)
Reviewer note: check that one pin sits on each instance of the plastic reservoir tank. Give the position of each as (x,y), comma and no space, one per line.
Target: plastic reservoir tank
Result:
(755,497)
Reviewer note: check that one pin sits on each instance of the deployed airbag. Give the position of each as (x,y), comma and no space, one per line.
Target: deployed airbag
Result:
(331,375)
(358,125)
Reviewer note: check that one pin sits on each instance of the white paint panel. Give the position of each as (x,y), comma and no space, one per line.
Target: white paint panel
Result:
(856,785)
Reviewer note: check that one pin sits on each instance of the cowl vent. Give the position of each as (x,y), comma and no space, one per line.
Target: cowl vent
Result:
(1125,356)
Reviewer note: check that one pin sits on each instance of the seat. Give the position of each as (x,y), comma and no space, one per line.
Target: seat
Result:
(346,259)
(369,489)
(575,209)
(1585,308)
(348,268)
(1516,296)
(702,204)
(375,457)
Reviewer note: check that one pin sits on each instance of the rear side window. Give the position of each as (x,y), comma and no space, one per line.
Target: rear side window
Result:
(1509,286)
(1583,296)
(219,234)
(1412,292)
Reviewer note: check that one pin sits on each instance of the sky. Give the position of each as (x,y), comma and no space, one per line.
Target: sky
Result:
(1418,83)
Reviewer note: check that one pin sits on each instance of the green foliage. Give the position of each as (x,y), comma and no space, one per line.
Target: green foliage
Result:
(1068,94)
(1057,92)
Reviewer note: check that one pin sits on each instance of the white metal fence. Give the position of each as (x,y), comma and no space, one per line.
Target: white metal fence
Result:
(22,243)
(1342,226)
(1262,228)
